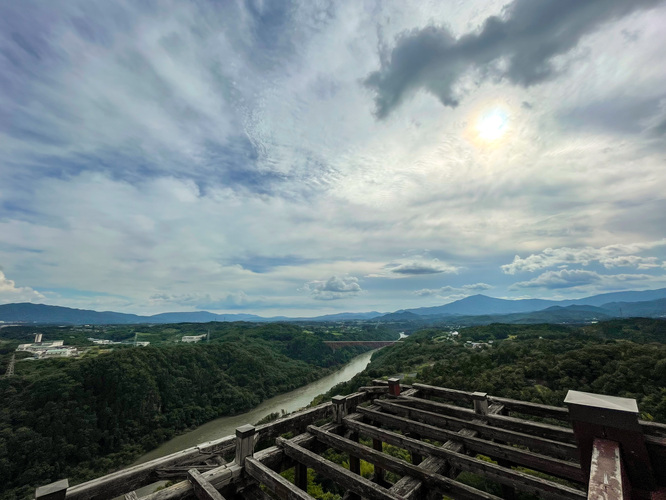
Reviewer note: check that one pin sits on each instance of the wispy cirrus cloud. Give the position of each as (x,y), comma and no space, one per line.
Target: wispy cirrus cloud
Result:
(205,150)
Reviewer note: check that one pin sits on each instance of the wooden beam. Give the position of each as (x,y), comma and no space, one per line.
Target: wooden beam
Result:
(344,478)
(131,496)
(180,471)
(410,487)
(549,465)
(203,490)
(118,483)
(274,481)
(537,429)
(222,476)
(122,481)
(53,491)
(274,457)
(444,484)
(608,480)
(518,480)
(547,431)
(555,449)
(536,409)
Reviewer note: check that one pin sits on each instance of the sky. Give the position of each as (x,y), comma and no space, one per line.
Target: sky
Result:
(312,157)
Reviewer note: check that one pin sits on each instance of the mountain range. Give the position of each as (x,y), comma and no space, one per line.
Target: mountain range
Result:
(650,303)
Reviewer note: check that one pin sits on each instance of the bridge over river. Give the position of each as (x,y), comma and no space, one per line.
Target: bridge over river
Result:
(375,344)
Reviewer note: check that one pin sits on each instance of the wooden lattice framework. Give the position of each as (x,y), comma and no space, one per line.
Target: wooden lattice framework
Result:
(532,448)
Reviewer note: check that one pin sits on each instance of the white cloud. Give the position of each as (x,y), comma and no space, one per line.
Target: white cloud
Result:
(9,292)
(334,288)
(618,255)
(158,153)
(451,291)
(572,278)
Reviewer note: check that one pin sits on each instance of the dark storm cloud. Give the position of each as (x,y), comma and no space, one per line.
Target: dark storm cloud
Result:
(519,46)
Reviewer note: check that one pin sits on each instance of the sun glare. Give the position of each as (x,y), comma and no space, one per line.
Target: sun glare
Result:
(492,125)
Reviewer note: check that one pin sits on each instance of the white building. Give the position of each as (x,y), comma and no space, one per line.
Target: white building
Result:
(193,338)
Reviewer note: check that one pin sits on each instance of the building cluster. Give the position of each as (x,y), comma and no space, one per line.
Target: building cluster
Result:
(478,345)
(114,342)
(53,349)
(193,338)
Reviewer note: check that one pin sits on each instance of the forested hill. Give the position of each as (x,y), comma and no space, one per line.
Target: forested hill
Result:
(79,418)
(538,363)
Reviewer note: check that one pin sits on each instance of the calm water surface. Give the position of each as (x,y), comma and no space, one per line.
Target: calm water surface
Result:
(288,402)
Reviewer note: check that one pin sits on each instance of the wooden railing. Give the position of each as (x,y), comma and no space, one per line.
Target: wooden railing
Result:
(595,449)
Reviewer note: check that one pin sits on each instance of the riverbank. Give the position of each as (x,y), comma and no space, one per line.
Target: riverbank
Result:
(288,402)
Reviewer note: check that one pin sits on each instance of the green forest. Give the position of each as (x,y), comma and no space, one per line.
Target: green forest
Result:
(537,363)
(83,417)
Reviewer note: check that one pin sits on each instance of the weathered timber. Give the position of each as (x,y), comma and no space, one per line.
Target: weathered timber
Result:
(608,480)
(117,483)
(181,471)
(53,491)
(443,484)
(296,422)
(348,480)
(385,383)
(550,447)
(131,496)
(253,492)
(547,431)
(274,481)
(549,465)
(203,490)
(653,428)
(374,389)
(219,477)
(534,409)
(518,480)
(444,392)
(377,445)
(301,476)
(411,488)
(274,457)
(656,447)
(526,407)
(245,435)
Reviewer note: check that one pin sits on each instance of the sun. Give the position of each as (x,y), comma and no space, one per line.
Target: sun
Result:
(492,125)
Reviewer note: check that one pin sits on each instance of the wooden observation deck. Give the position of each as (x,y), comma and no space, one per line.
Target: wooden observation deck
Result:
(596,448)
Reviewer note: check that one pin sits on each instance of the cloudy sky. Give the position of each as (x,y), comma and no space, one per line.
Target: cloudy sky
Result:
(310,157)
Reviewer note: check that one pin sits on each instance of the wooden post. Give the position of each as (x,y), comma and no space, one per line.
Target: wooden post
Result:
(244,443)
(480,403)
(612,419)
(481,408)
(53,491)
(378,445)
(339,407)
(394,386)
(301,476)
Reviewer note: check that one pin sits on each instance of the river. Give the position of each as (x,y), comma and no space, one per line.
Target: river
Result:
(289,402)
